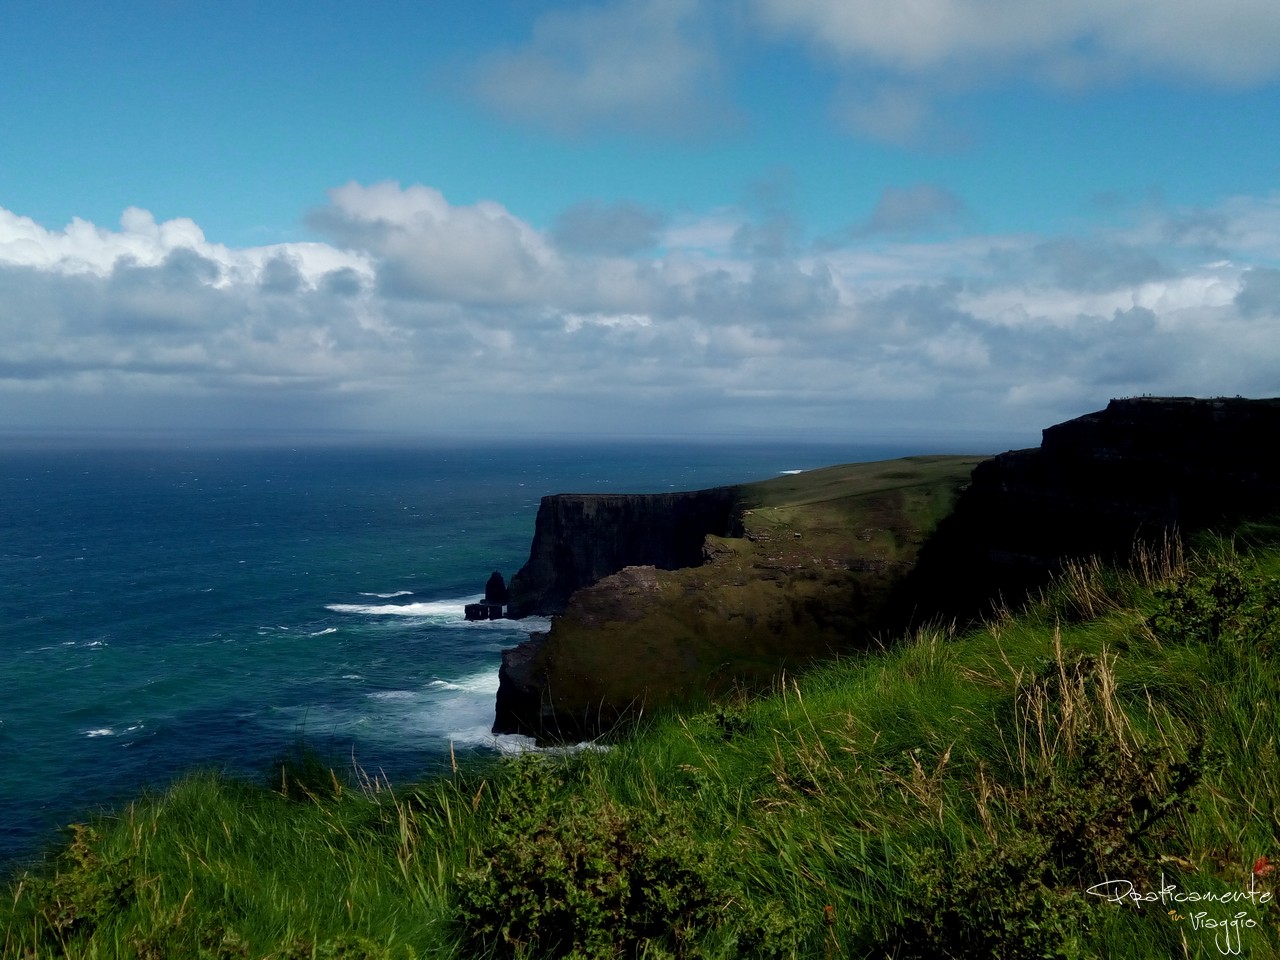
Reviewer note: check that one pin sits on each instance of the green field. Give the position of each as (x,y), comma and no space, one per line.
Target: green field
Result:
(951,796)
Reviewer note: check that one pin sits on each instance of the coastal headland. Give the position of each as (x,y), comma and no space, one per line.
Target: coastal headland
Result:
(659,598)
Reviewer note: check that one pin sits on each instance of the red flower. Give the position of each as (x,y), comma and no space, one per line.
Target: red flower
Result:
(1261,867)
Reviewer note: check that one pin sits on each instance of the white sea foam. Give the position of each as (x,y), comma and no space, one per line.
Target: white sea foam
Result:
(790,473)
(445,610)
(393,695)
(527,625)
(100,732)
(389,596)
(323,633)
(516,744)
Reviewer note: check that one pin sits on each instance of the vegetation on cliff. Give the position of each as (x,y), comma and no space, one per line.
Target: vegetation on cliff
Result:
(808,575)
(1009,792)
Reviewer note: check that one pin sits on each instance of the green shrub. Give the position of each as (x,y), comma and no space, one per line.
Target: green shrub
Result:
(993,901)
(565,875)
(1226,604)
(84,890)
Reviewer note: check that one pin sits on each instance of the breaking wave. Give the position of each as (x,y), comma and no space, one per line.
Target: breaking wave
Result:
(431,610)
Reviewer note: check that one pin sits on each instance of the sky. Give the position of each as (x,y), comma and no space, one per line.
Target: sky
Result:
(931,220)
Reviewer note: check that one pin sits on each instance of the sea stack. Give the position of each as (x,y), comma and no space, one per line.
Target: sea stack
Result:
(493,606)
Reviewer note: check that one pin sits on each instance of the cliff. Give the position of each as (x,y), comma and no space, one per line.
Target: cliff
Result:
(823,563)
(579,539)
(657,598)
(1139,469)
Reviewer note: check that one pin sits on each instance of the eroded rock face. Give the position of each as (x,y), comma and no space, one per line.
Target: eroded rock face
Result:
(579,539)
(519,705)
(495,590)
(1134,471)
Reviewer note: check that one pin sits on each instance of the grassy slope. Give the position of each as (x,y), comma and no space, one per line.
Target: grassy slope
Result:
(953,796)
(821,552)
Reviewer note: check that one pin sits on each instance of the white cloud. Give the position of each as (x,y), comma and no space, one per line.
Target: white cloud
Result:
(629,65)
(901,64)
(427,248)
(82,247)
(432,317)
(1227,42)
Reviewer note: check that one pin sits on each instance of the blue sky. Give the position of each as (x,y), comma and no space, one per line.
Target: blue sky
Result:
(828,218)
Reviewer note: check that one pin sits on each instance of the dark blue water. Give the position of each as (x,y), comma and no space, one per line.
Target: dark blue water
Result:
(169,608)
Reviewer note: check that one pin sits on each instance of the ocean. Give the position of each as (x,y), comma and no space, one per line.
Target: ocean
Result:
(171,607)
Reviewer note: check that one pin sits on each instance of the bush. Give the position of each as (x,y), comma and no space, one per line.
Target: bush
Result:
(568,876)
(1228,604)
(85,889)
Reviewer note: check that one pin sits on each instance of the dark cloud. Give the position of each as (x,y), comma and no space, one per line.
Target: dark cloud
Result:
(1097,267)
(187,268)
(784,293)
(618,229)
(1205,230)
(280,276)
(342,283)
(921,207)
(1069,264)
(1259,294)
(775,236)
(914,311)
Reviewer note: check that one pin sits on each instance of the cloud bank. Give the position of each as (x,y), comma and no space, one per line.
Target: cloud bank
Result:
(424,316)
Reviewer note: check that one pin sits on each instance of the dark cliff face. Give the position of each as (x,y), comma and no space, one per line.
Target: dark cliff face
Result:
(745,583)
(1134,471)
(579,539)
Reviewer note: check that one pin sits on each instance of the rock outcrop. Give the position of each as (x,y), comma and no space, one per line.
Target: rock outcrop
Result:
(495,590)
(579,539)
(493,606)
(520,705)
(1142,467)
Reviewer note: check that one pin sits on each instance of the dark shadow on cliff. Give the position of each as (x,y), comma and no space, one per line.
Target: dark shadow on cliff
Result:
(1136,472)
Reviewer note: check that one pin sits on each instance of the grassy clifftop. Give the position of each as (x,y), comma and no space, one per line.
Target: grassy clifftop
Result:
(809,578)
(1093,777)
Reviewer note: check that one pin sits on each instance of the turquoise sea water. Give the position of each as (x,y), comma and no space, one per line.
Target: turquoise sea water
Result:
(165,608)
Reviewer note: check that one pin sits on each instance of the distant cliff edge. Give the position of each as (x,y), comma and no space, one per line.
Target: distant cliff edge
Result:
(1140,468)
(579,539)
